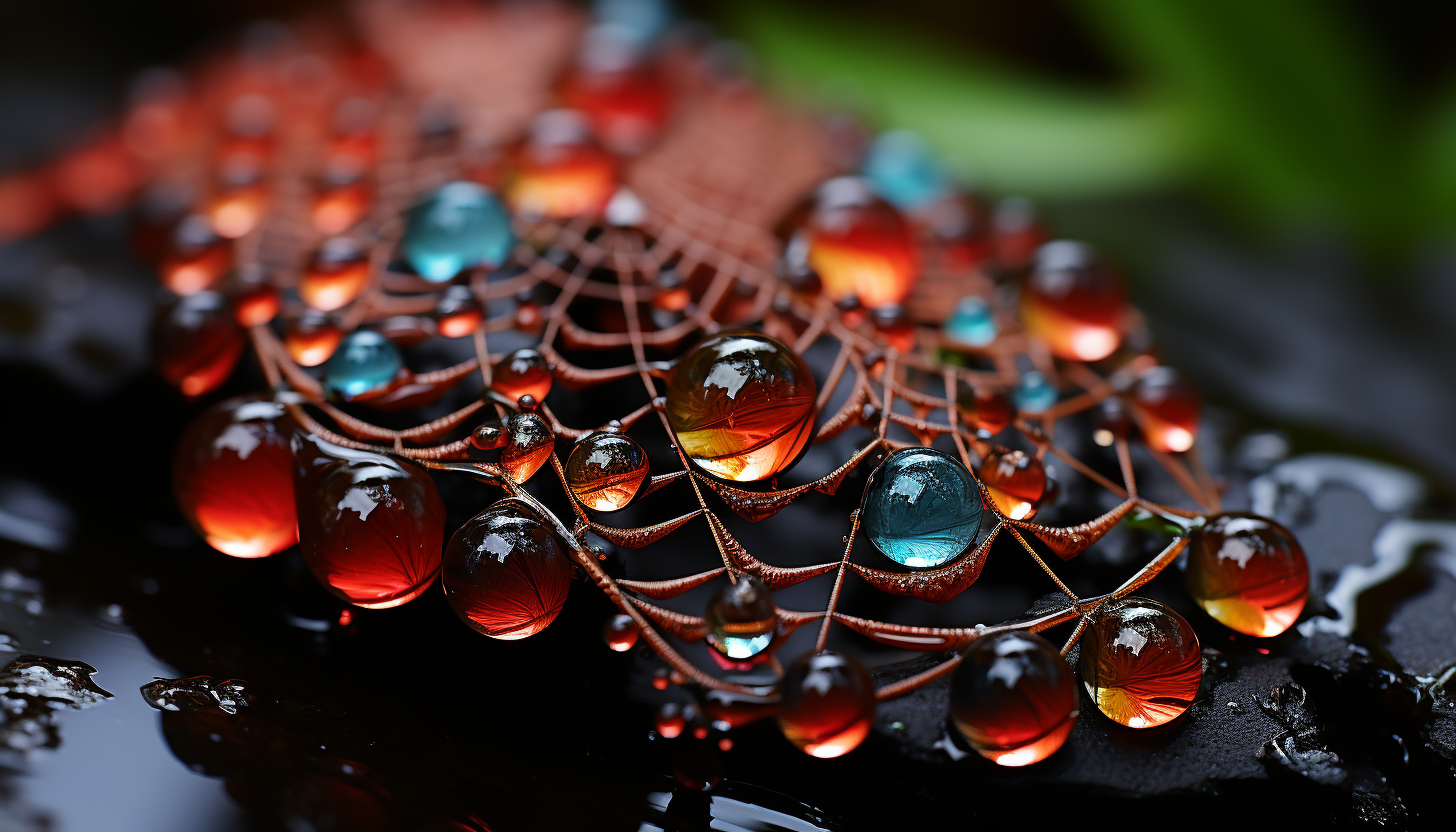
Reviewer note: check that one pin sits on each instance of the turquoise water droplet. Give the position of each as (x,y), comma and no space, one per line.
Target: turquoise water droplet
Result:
(922,508)
(972,322)
(903,169)
(636,21)
(364,361)
(1034,394)
(460,225)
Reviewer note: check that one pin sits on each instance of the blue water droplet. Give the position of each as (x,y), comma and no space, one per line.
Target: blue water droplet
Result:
(460,225)
(972,322)
(639,21)
(903,169)
(922,508)
(1034,394)
(365,360)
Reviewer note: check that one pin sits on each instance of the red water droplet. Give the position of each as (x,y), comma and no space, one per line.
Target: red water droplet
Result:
(859,244)
(559,171)
(233,478)
(1141,663)
(741,406)
(1249,573)
(370,526)
(625,104)
(459,313)
(312,339)
(620,633)
(828,704)
(670,720)
(335,275)
(1074,302)
(1167,409)
(196,342)
(196,256)
(505,575)
(524,372)
(1013,698)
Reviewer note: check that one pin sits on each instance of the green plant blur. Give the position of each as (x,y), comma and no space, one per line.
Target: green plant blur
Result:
(1279,109)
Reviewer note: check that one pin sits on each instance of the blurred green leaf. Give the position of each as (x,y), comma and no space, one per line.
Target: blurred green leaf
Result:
(1008,133)
(1294,116)
(1278,105)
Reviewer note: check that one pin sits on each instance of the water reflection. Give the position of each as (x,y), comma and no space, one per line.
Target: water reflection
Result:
(107,769)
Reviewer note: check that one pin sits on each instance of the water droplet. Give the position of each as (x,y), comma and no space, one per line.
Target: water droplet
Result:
(741,618)
(606,470)
(921,507)
(233,478)
(1013,698)
(756,384)
(828,704)
(505,574)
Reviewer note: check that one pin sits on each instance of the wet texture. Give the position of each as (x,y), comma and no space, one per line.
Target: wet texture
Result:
(33,689)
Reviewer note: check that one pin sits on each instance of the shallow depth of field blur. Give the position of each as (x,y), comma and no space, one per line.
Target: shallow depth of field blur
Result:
(1277,180)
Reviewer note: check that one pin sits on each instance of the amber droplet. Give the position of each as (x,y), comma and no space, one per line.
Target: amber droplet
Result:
(860,245)
(1249,573)
(620,633)
(1074,302)
(1167,409)
(505,575)
(1141,663)
(233,478)
(672,293)
(742,406)
(989,411)
(335,275)
(1016,480)
(605,470)
(670,720)
(459,313)
(312,339)
(828,704)
(1013,698)
(343,197)
(560,171)
(241,197)
(529,443)
(196,342)
(196,256)
(524,372)
(741,618)
(257,304)
(370,526)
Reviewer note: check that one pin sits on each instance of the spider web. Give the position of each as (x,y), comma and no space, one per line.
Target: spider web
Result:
(701,205)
